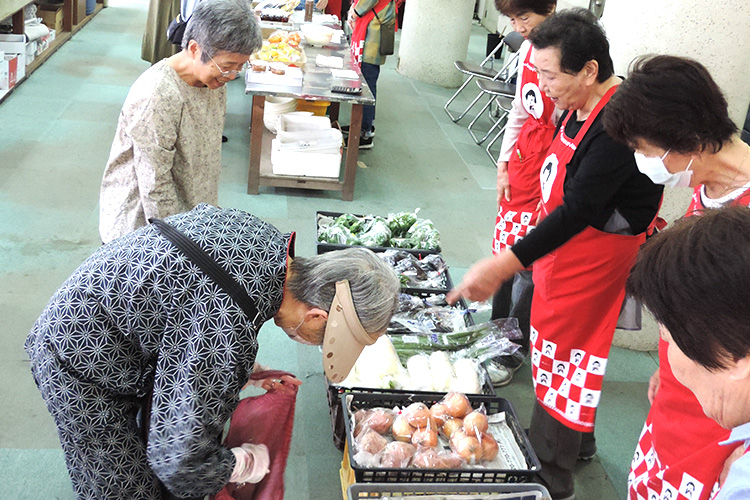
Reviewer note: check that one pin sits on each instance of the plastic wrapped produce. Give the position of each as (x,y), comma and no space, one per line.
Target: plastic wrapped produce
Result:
(338,235)
(376,233)
(400,223)
(377,419)
(397,455)
(424,235)
(370,441)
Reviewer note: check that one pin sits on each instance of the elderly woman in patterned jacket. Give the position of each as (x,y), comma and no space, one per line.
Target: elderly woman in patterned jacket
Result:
(166,154)
(138,323)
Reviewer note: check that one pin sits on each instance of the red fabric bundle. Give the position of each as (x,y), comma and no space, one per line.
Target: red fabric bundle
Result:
(266,419)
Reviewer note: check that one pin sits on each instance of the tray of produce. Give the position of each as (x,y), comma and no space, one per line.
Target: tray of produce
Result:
(455,438)
(450,491)
(425,364)
(403,230)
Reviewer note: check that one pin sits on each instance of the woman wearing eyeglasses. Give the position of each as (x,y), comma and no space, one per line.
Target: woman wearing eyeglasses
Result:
(166,154)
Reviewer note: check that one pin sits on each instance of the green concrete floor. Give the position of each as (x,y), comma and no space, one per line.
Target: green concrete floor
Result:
(55,134)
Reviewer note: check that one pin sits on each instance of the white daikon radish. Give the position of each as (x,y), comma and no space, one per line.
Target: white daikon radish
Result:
(418,367)
(441,371)
(467,376)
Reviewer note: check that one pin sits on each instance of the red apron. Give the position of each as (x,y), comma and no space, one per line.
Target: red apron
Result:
(360,30)
(579,289)
(679,444)
(518,216)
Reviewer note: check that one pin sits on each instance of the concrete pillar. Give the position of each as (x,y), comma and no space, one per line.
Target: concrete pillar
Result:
(434,35)
(714,33)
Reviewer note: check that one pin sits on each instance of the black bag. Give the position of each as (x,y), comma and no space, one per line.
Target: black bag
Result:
(387,36)
(176,30)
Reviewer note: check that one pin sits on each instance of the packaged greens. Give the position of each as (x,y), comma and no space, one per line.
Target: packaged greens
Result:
(338,235)
(485,341)
(375,233)
(398,230)
(424,235)
(401,222)
(349,221)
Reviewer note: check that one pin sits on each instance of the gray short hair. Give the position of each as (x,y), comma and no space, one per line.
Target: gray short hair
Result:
(223,25)
(374,284)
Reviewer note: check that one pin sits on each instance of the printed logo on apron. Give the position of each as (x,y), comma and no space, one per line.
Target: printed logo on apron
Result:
(547,176)
(532,100)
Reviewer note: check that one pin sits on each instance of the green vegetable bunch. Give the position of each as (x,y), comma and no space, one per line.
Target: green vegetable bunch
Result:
(399,230)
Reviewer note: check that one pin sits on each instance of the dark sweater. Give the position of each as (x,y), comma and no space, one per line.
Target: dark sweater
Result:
(602,183)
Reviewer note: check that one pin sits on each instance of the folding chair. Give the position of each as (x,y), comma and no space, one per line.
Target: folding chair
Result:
(513,41)
(502,94)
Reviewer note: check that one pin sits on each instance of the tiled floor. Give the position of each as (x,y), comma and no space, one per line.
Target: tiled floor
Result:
(55,134)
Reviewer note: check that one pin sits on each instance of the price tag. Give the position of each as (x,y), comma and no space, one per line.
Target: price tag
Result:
(410,339)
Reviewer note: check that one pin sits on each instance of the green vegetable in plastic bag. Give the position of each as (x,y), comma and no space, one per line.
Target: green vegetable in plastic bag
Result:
(349,221)
(400,223)
(424,235)
(376,233)
(338,235)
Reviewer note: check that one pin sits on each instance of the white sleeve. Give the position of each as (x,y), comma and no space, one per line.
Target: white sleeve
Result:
(518,114)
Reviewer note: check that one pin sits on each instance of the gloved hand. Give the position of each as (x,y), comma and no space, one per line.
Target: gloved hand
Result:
(252,463)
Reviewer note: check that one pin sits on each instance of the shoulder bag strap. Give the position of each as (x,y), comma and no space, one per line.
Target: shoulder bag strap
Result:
(211,268)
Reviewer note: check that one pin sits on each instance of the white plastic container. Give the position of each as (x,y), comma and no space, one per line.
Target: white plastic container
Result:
(274,107)
(308,153)
(301,121)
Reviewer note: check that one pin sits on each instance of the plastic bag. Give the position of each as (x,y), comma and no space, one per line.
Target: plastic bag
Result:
(428,272)
(424,235)
(266,419)
(375,233)
(401,222)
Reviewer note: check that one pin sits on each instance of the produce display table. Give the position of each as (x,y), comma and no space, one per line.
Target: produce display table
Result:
(316,85)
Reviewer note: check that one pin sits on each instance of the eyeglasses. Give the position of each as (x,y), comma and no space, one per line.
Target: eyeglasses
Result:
(231,73)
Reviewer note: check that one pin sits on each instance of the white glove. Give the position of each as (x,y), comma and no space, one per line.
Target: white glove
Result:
(252,463)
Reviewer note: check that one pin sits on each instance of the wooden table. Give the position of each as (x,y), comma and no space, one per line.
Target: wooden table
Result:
(316,85)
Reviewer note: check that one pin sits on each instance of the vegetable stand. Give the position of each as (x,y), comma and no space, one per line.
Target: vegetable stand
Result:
(316,86)
(476,474)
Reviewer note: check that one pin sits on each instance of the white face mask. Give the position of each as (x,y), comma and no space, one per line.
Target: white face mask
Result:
(654,168)
(292,334)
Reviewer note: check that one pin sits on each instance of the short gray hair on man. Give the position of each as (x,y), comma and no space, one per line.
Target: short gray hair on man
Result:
(223,25)
(373,283)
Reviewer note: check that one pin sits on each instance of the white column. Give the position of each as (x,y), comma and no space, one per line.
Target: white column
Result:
(715,33)
(434,35)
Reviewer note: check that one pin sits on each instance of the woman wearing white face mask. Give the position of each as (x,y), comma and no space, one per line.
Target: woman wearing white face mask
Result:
(674,115)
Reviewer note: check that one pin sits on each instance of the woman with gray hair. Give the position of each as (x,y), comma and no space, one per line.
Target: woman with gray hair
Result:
(166,154)
(140,327)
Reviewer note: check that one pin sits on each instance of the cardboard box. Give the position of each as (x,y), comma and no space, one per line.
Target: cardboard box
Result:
(31,52)
(9,71)
(79,6)
(52,16)
(13,44)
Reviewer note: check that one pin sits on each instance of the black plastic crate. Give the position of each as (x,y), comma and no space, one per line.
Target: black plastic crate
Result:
(337,417)
(364,491)
(323,247)
(492,404)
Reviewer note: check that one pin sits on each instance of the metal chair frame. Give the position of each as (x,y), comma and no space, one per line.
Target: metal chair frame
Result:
(501,92)
(513,41)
